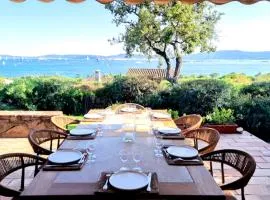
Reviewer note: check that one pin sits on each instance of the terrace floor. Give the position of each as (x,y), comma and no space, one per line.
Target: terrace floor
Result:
(257,189)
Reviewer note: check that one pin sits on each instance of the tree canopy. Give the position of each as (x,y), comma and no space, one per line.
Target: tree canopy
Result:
(170,31)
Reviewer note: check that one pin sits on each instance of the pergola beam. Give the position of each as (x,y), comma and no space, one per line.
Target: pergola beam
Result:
(218,2)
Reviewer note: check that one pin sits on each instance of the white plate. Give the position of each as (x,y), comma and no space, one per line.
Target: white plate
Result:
(169,130)
(129,109)
(182,152)
(129,180)
(161,115)
(82,131)
(93,116)
(65,156)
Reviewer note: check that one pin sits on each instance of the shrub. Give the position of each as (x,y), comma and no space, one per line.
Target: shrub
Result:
(200,96)
(18,94)
(258,89)
(174,113)
(125,89)
(237,79)
(220,116)
(157,100)
(44,93)
(55,94)
(165,85)
(256,116)
(262,77)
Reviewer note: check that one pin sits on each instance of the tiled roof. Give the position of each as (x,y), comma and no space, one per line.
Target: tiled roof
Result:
(153,73)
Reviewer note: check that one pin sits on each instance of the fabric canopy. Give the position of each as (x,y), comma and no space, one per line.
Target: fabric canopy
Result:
(156,1)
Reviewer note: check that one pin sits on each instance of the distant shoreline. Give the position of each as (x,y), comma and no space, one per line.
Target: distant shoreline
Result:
(84,66)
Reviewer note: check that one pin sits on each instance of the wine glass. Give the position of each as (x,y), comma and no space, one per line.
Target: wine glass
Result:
(99,130)
(158,146)
(91,152)
(123,154)
(149,117)
(137,156)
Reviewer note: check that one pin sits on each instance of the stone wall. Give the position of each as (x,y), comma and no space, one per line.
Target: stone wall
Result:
(18,123)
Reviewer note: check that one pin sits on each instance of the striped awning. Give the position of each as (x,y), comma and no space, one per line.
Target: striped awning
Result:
(219,2)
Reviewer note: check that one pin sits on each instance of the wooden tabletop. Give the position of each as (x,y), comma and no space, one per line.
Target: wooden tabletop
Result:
(189,182)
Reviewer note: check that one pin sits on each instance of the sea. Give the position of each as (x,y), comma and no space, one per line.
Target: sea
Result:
(85,66)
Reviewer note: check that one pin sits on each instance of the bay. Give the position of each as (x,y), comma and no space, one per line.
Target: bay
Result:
(84,66)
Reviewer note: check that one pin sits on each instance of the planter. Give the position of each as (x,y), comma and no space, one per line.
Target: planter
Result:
(223,128)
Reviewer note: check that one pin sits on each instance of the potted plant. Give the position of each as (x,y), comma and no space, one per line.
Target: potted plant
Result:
(222,120)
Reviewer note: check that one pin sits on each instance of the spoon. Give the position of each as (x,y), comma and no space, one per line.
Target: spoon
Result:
(105,187)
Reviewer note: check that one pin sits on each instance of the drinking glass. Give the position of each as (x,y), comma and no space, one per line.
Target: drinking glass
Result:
(91,152)
(158,146)
(123,154)
(149,120)
(137,156)
(129,132)
(99,130)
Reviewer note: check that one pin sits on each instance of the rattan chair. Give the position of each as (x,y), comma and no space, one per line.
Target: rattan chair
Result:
(15,161)
(62,122)
(137,106)
(208,135)
(239,160)
(188,122)
(51,137)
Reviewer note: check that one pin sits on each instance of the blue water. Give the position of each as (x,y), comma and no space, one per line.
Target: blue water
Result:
(83,66)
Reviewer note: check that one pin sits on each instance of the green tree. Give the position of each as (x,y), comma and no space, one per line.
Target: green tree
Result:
(170,31)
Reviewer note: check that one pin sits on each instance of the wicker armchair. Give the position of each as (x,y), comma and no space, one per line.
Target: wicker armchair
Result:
(15,161)
(188,122)
(137,106)
(39,137)
(239,160)
(61,122)
(209,135)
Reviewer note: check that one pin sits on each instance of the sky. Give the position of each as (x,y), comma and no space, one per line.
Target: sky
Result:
(34,28)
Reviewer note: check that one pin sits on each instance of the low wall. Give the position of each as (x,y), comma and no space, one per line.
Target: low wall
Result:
(18,123)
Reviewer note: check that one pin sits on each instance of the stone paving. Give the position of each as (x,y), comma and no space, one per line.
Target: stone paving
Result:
(257,189)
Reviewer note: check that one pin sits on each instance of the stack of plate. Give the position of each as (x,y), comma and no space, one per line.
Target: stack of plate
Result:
(82,132)
(93,116)
(161,115)
(129,180)
(169,131)
(65,157)
(129,109)
(185,152)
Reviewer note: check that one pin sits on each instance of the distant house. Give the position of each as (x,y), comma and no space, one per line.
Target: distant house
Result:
(153,74)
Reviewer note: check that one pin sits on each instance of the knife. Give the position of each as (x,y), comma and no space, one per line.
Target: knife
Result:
(149,178)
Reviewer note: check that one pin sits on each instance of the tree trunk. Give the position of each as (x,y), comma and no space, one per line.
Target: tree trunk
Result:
(178,65)
(168,63)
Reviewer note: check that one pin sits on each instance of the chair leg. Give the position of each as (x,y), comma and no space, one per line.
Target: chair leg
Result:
(22,179)
(243,193)
(222,173)
(36,166)
(211,168)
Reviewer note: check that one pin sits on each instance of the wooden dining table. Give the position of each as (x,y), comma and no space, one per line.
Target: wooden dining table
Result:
(174,182)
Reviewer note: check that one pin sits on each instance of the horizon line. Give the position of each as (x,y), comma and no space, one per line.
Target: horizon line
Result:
(75,54)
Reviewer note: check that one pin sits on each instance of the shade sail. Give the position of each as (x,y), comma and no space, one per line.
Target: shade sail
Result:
(219,2)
